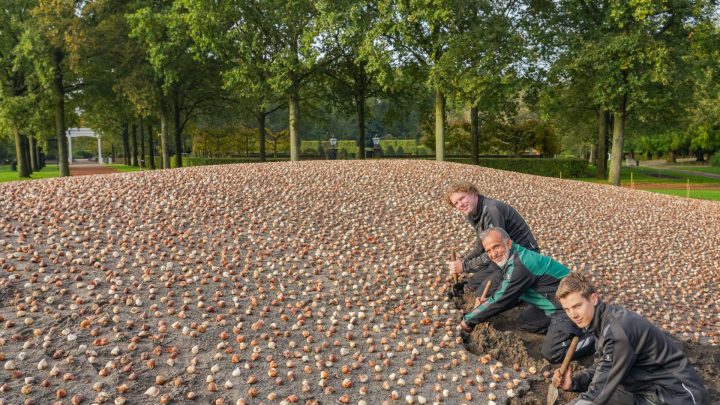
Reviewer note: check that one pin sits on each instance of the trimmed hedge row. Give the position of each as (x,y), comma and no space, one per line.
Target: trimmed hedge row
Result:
(540,167)
(201,161)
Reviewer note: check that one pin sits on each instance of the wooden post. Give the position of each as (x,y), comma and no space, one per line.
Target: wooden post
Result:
(687,194)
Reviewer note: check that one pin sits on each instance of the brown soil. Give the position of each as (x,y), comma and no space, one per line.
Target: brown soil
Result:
(501,339)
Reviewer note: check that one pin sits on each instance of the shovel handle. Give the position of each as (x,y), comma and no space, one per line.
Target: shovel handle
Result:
(486,290)
(451,258)
(568,355)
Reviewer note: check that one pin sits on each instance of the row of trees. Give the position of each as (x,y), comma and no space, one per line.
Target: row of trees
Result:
(526,70)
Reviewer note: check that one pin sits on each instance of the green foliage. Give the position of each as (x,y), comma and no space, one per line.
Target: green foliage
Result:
(203,161)
(392,147)
(715,159)
(540,167)
(314,148)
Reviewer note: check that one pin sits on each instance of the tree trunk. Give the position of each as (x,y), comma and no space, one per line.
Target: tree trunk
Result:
(602,143)
(23,166)
(699,155)
(439,125)
(151,148)
(164,136)
(592,159)
(59,89)
(32,149)
(360,107)
(260,116)
(617,145)
(26,151)
(294,136)
(178,130)
(142,144)
(134,141)
(474,135)
(126,144)
(294,101)
(671,157)
(37,152)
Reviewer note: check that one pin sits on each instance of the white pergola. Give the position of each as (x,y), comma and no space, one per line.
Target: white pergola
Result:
(79,132)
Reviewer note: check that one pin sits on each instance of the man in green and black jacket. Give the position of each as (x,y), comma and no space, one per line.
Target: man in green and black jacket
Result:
(532,278)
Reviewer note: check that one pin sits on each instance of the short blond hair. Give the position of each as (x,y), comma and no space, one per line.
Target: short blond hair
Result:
(574,282)
(460,187)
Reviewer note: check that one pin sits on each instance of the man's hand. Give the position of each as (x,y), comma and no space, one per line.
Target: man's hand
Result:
(464,326)
(479,301)
(455,266)
(564,382)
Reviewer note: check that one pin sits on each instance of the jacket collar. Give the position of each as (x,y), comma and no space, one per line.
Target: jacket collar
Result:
(596,323)
(475,217)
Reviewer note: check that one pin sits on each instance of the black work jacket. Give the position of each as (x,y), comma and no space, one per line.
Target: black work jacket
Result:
(491,213)
(632,352)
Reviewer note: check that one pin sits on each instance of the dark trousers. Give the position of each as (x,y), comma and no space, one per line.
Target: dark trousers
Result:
(559,334)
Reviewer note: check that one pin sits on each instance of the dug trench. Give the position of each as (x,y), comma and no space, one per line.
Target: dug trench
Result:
(501,339)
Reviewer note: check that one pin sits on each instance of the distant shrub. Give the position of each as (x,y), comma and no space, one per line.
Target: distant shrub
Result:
(715,159)
(400,151)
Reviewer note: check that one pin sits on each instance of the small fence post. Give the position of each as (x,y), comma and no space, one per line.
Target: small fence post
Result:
(687,194)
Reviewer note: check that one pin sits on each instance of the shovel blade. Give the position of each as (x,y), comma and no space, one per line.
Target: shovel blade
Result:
(552,394)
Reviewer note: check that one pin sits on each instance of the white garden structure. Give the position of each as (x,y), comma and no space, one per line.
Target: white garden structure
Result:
(79,132)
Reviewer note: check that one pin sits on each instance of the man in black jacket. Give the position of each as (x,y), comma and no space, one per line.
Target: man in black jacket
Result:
(484,213)
(635,362)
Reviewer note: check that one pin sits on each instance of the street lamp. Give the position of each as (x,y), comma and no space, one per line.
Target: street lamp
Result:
(333,148)
(376,146)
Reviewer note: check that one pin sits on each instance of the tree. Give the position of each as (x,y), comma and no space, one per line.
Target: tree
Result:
(21,106)
(182,84)
(343,29)
(47,37)
(413,36)
(633,50)
(482,63)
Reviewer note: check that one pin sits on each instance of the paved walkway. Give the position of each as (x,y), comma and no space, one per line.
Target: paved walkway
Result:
(85,167)
(662,164)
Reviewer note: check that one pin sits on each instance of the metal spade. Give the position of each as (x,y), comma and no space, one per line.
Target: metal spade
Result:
(552,390)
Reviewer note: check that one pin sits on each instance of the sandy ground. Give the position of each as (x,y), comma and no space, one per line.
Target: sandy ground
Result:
(310,282)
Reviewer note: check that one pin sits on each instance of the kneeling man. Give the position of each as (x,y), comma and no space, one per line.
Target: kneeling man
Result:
(635,362)
(533,278)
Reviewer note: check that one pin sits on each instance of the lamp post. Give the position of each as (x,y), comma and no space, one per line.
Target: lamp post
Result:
(332,153)
(376,147)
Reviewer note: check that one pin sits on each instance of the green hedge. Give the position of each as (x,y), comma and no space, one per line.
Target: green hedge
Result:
(540,167)
(715,159)
(349,146)
(201,161)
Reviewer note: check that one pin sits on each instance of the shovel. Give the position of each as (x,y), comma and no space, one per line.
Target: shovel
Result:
(552,390)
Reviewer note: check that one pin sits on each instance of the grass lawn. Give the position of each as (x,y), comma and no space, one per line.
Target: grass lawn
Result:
(642,174)
(46,172)
(123,168)
(713,195)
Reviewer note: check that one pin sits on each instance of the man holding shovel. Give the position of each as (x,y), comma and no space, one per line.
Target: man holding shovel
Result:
(484,213)
(532,278)
(635,362)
